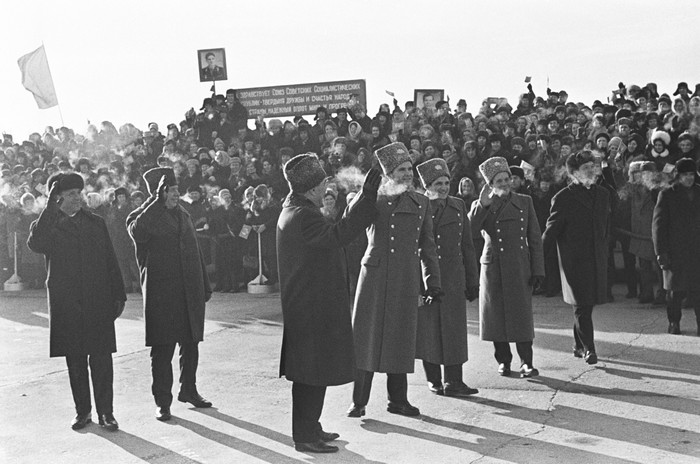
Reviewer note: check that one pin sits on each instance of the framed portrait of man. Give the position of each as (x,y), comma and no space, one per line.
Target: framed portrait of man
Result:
(426,99)
(212,64)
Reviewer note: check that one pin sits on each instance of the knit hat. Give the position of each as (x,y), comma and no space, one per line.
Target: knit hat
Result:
(153,176)
(493,166)
(686,136)
(392,156)
(517,171)
(304,172)
(66,181)
(576,160)
(432,170)
(684,165)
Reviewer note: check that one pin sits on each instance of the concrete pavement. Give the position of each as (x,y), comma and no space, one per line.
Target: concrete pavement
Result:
(640,403)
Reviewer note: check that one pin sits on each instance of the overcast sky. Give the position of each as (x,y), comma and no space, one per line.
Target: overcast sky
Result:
(136,61)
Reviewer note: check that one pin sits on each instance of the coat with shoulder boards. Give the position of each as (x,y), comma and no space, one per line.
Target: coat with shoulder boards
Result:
(512,255)
(317,346)
(84,282)
(676,233)
(400,250)
(173,275)
(578,228)
(442,327)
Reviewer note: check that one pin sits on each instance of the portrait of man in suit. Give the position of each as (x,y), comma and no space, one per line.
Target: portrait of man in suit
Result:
(212,65)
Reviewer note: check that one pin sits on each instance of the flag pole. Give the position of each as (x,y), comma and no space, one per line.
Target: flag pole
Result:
(60,113)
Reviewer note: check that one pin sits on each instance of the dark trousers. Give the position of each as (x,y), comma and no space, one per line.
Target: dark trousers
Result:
(396,387)
(674,308)
(647,277)
(583,328)
(504,356)
(162,371)
(307,404)
(433,373)
(102,378)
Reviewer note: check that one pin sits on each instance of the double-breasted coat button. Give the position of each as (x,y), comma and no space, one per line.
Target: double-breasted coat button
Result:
(392,238)
(501,249)
(392,250)
(392,226)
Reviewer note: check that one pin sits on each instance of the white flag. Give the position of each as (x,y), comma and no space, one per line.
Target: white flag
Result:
(36,77)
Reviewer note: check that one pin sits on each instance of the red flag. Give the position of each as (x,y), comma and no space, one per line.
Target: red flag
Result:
(36,77)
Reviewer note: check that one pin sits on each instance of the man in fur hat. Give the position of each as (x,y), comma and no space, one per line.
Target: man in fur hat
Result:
(512,264)
(676,236)
(86,294)
(317,346)
(442,334)
(577,229)
(400,248)
(175,288)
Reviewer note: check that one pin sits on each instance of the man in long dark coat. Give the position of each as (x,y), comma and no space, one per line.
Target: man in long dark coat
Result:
(512,264)
(676,236)
(400,254)
(86,294)
(317,347)
(175,288)
(578,229)
(442,327)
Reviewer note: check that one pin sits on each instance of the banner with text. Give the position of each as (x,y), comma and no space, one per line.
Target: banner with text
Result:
(290,100)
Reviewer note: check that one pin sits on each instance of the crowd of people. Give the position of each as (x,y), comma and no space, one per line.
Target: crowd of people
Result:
(230,175)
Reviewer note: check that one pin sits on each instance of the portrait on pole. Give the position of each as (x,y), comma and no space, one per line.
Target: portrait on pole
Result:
(212,64)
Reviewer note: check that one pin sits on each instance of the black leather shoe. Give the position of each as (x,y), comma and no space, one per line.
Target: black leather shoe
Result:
(405,409)
(504,369)
(578,353)
(459,389)
(590,357)
(108,422)
(163,413)
(436,388)
(528,371)
(80,421)
(674,328)
(328,436)
(356,411)
(315,447)
(195,399)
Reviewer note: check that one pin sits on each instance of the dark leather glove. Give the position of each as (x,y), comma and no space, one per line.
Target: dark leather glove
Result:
(536,281)
(664,261)
(118,308)
(472,293)
(162,190)
(433,295)
(372,181)
(529,87)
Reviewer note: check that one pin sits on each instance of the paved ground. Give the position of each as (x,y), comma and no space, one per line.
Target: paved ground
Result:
(641,403)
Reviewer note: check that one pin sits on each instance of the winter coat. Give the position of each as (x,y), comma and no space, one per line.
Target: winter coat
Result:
(173,275)
(642,212)
(317,345)
(578,228)
(512,255)
(442,327)
(84,283)
(400,246)
(676,232)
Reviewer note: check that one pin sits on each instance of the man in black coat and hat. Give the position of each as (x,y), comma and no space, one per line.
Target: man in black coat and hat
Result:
(317,346)
(175,288)
(676,236)
(578,229)
(85,294)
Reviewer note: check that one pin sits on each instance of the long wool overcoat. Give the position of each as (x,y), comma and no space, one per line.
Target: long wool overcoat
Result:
(512,254)
(317,345)
(442,327)
(578,228)
(676,232)
(400,250)
(83,284)
(173,275)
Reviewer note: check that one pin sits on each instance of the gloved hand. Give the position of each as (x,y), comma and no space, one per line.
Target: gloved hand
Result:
(664,261)
(162,190)
(372,181)
(472,293)
(118,308)
(529,87)
(433,295)
(54,194)
(536,281)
